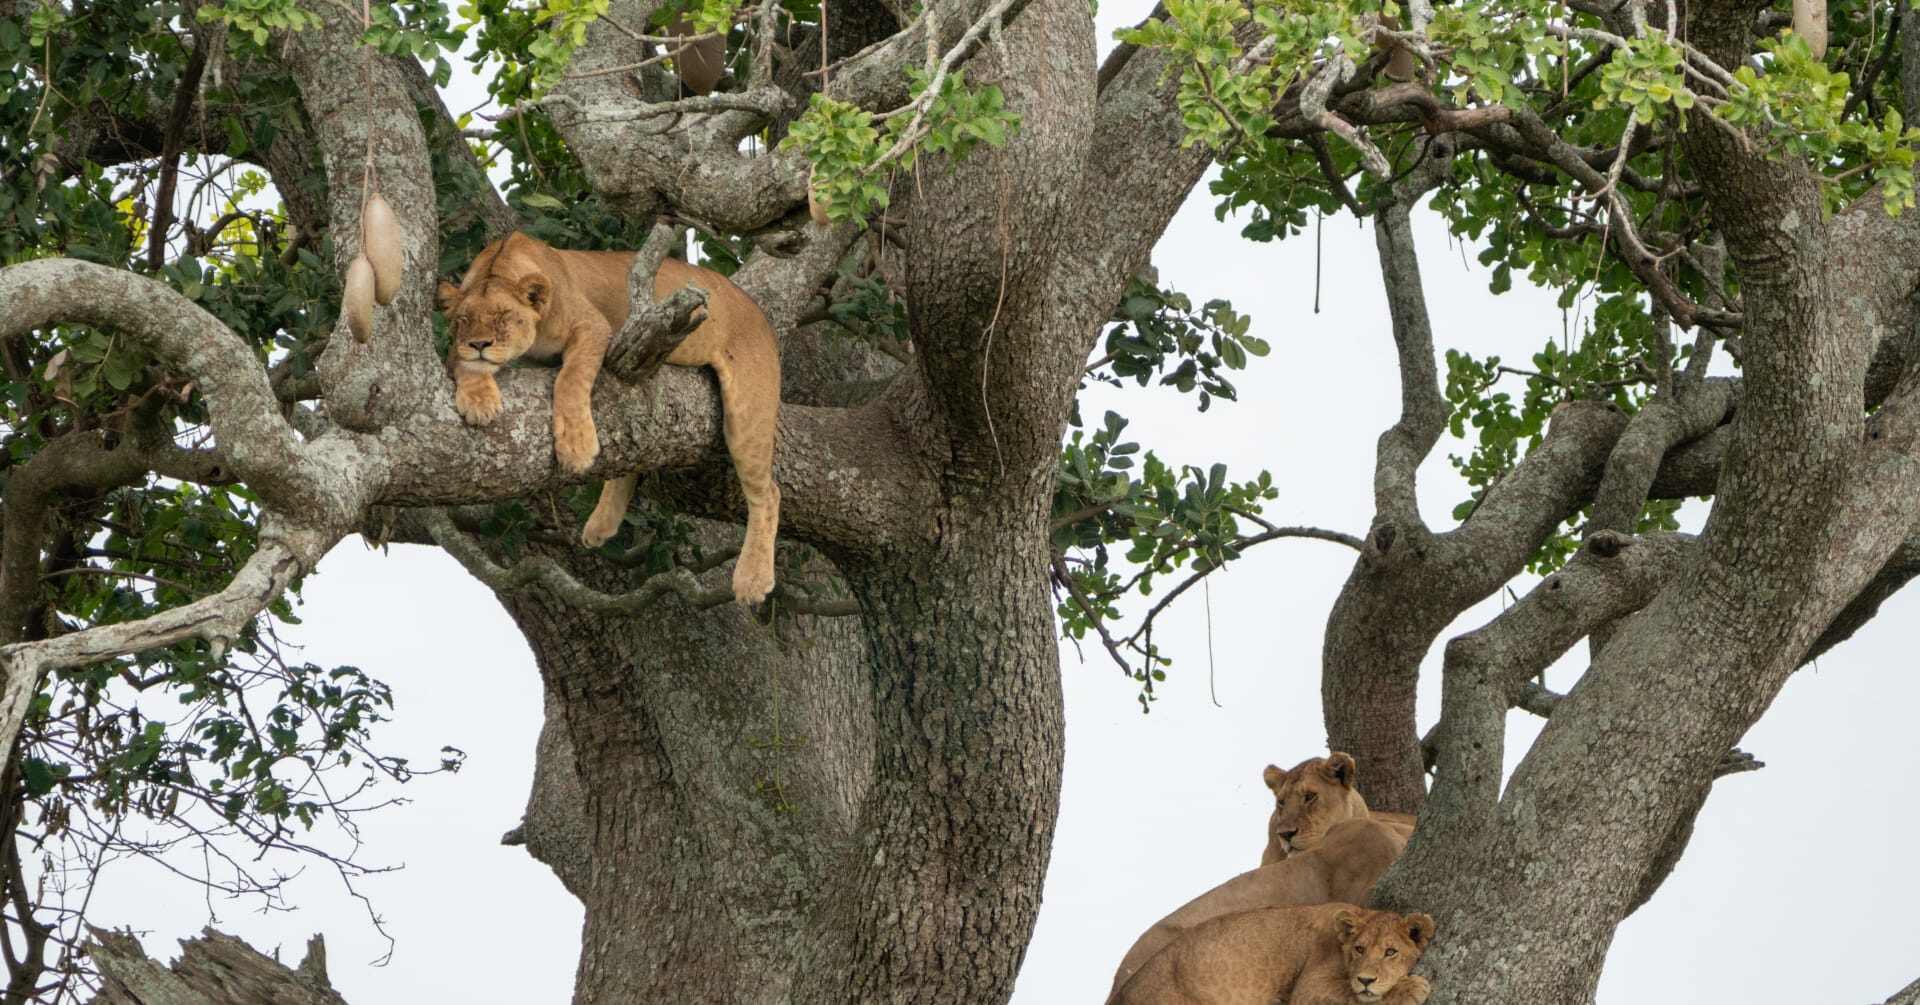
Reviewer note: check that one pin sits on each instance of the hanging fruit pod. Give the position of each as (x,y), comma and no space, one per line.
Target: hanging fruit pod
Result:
(357,301)
(1810,23)
(1400,65)
(700,64)
(380,243)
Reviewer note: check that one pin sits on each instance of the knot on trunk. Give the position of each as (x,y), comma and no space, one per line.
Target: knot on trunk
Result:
(1609,543)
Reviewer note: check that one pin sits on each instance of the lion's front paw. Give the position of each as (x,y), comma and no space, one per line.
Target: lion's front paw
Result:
(752,581)
(1412,990)
(575,442)
(477,401)
(599,530)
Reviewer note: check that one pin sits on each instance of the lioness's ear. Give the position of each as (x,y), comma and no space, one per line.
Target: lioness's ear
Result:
(446,296)
(533,289)
(1420,929)
(1349,922)
(1273,776)
(1339,767)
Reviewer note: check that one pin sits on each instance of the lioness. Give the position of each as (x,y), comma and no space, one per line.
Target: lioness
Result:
(1312,797)
(1342,868)
(1331,954)
(523,298)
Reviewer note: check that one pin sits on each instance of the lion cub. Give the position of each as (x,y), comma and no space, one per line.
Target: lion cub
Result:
(1330,954)
(1341,868)
(522,297)
(1318,793)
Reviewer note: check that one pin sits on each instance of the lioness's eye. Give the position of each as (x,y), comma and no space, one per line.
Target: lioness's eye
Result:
(1310,797)
(1392,952)
(1357,950)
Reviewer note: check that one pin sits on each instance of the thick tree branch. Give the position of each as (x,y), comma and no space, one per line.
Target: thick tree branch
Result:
(982,273)
(1423,412)
(1549,484)
(1661,425)
(362,107)
(259,447)
(1485,671)
(849,478)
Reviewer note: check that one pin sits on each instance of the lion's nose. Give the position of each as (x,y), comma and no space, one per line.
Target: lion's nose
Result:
(1287,835)
(480,345)
(1365,982)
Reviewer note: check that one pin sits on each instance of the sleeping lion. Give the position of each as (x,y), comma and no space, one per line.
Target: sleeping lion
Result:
(523,298)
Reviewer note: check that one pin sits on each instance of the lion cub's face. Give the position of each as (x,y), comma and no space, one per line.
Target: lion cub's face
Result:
(1380,948)
(497,321)
(1309,799)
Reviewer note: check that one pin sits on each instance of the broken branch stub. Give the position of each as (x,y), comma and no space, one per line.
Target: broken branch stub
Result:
(214,969)
(654,332)
(653,329)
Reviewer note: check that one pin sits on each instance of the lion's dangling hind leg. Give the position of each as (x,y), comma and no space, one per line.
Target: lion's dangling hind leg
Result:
(738,343)
(749,372)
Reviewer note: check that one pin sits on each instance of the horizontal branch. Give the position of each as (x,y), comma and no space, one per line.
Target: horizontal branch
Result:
(848,478)
(540,570)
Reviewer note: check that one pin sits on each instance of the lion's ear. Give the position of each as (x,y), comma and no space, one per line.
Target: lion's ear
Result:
(1350,923)
(535,290)
(1339,766)
(1273,776)
(446,296)
(1420,929)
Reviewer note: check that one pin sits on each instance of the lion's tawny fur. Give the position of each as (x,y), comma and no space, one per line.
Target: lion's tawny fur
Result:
(1341,868)
(1316,794)
(1330,954)
(523,297)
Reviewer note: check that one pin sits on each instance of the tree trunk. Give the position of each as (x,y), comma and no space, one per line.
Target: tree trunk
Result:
(943,886)
(727,798)
(698,775)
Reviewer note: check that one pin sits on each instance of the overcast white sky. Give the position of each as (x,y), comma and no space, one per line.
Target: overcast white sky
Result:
(1769,907)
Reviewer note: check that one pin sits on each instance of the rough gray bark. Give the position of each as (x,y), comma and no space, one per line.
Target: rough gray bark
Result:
(698,776)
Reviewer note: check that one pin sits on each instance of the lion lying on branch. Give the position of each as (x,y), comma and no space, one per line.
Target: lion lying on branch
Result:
(523,298)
